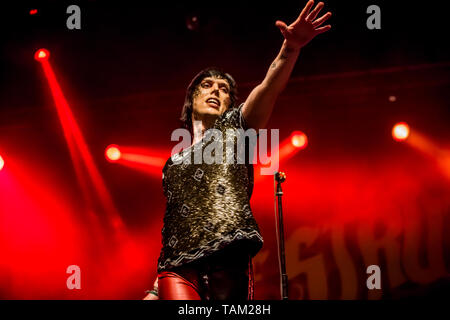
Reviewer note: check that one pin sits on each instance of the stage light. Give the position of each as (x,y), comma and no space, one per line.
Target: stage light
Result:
(112,153)
(192,23)
(33,11)
(290,146)
(41,55)
(2,163)
(400,131)
(299,139)
(392,98)
(147,160)
(79,151)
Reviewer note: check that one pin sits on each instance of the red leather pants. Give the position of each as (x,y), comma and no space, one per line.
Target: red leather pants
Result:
(227,275)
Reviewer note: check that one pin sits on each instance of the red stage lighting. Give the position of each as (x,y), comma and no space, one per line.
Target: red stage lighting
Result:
(299,140)
(41,55)
(33,11)
(400,131)
(78,148)
(112,153)
(2,163)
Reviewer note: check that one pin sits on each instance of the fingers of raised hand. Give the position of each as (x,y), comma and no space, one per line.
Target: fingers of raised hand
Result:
(305,11)
(313,14)
(321,20)
(323,29)
(281,25)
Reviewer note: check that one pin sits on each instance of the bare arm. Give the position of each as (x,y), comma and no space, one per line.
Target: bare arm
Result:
(260,102)
(152,295)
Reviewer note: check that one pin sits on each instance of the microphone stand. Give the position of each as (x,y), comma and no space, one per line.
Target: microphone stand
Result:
(279,178)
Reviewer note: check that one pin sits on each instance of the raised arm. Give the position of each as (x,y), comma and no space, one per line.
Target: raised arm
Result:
(260,102)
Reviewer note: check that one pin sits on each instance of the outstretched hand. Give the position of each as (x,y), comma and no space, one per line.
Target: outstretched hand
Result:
(306,27)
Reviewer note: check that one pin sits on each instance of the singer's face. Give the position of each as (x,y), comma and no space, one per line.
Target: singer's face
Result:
(211,98)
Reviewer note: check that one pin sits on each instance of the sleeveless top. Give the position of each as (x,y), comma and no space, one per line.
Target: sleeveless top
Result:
(208,205)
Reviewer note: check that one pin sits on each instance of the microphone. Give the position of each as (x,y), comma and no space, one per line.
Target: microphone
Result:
(280,177)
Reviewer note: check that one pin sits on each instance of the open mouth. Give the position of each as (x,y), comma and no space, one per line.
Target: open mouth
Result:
(215,103)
